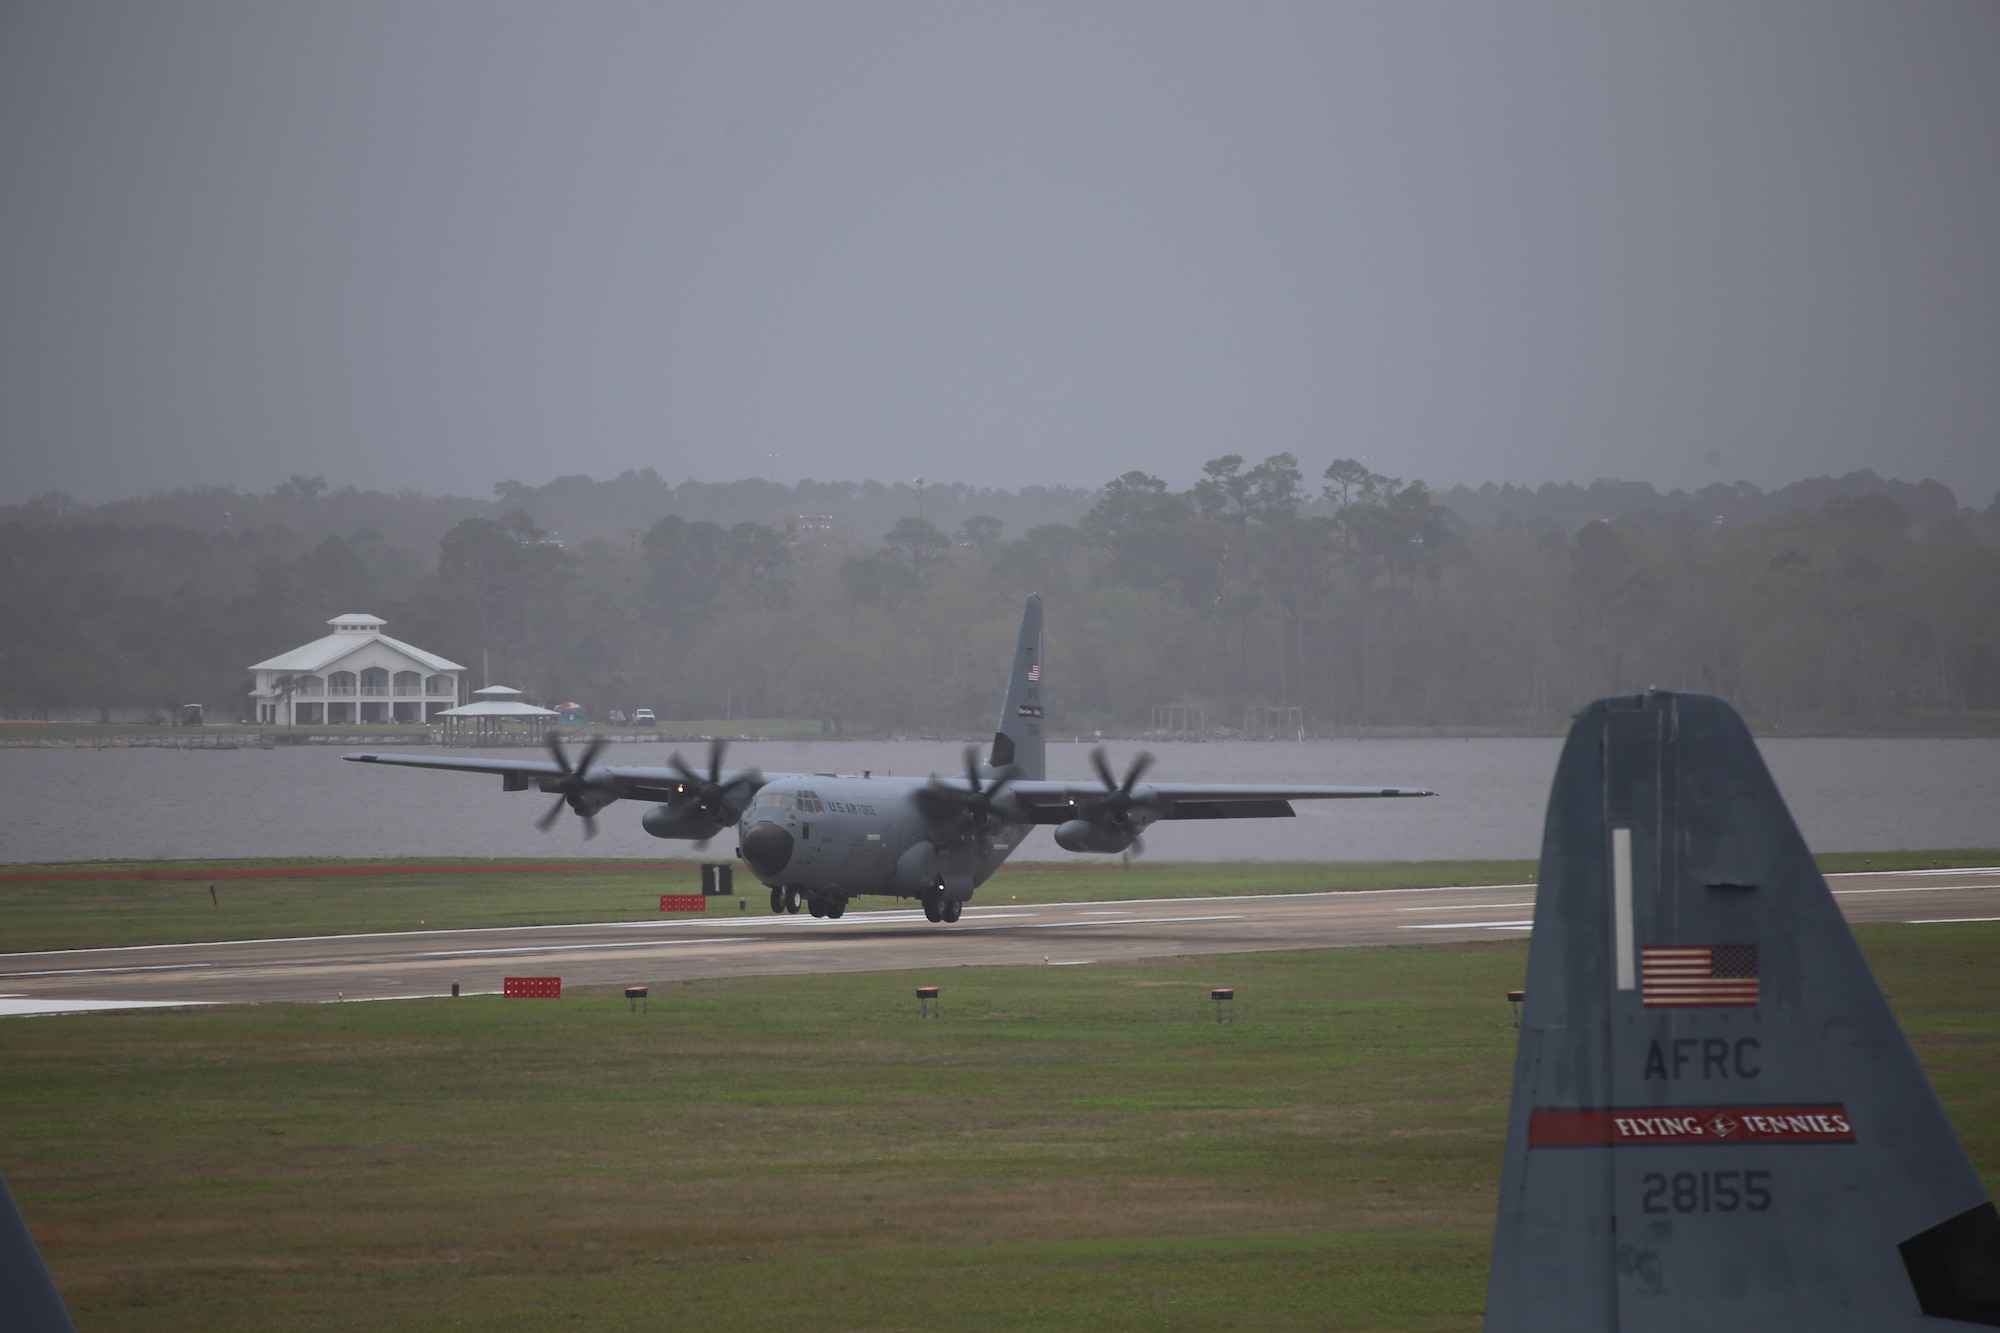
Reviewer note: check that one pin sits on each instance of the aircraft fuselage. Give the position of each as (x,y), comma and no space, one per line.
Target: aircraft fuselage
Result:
(838,837)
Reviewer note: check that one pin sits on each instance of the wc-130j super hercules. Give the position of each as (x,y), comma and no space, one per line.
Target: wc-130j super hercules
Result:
(818,840)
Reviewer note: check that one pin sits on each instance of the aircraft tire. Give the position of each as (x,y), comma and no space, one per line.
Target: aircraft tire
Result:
(836,908)
(777,901)
(793,901)
(933,905)
(816,905)
(951,911)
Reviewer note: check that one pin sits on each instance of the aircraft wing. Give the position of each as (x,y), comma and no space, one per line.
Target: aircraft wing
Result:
(1056,802)
(631,783)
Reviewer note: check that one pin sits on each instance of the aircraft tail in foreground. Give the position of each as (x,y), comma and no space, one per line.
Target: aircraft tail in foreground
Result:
(1717,1123)
(29,1302)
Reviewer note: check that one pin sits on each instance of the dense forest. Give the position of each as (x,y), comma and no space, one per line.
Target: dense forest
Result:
(1359,598)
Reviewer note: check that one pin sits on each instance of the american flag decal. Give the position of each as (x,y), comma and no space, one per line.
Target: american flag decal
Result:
(1679,976)
(1034,671)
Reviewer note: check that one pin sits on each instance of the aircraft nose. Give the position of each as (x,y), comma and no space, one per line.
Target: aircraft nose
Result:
(768,850)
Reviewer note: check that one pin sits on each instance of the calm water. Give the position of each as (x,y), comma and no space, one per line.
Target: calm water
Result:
(73,805)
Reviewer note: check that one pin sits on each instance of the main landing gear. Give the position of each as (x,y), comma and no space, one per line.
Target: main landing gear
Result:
(791,898)
(935,906)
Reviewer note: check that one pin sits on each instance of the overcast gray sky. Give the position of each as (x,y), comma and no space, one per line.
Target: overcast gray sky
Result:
(435,245)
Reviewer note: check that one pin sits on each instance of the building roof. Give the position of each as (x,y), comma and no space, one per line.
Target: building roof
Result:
(499,691)
(351,632)
(497,708)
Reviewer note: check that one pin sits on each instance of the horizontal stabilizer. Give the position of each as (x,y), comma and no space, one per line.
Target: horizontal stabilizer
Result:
(1717,1123)
(29,1302)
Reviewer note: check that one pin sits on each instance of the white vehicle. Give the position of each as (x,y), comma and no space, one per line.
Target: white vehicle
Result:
(643,717)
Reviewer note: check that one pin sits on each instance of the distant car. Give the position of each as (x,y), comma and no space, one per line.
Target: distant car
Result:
(616,717)
(643,717)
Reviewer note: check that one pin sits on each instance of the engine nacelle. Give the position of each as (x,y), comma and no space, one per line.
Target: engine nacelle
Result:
(679,821)
(1081,835)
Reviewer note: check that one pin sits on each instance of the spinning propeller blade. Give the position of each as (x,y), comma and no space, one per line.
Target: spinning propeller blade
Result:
(575,780)
(965,811)
(712,794)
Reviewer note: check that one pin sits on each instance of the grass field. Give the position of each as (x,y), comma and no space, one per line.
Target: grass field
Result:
(1069,1148)
(38,912)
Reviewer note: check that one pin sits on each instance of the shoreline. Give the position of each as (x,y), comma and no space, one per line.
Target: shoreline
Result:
(18,735)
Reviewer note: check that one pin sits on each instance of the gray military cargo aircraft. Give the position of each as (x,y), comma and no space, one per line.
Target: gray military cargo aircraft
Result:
(1717,1124)
(819,840)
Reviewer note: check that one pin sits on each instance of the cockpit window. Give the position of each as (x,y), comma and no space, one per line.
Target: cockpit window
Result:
(773,800)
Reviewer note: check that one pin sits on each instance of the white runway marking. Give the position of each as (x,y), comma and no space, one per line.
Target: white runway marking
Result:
(1117,921)
(1952,920)
(1926,888)
(1960,870)
(89,971)
(1466,907)
(579,948)
(1463,925)
(24,1008)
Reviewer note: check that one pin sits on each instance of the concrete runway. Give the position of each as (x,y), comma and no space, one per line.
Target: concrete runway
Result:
(729,942)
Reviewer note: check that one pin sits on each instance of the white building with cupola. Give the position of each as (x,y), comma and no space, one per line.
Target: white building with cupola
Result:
(355,674)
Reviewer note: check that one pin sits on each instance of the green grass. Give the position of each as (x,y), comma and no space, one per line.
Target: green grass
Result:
(66,914)
(1069,1148)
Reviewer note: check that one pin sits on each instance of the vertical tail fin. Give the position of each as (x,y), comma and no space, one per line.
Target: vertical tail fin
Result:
(1717,1122)
(1018,739)
(27,1293)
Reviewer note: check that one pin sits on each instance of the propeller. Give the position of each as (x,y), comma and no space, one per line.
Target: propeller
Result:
(968,809)
(712,794)
(1115,807)
(575,782)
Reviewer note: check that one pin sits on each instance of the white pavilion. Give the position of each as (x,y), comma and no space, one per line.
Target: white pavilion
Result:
(489,718)
(355,674)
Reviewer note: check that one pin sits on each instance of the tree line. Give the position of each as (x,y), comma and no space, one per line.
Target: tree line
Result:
(1357,597)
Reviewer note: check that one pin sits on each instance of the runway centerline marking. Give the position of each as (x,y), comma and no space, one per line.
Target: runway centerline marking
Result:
(1114,921)
(1466,907)
(90,971)
(1941,870)
(1925,888)
(577,948)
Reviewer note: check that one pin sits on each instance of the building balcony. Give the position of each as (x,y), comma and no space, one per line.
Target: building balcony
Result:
(374,691)
(341,691)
